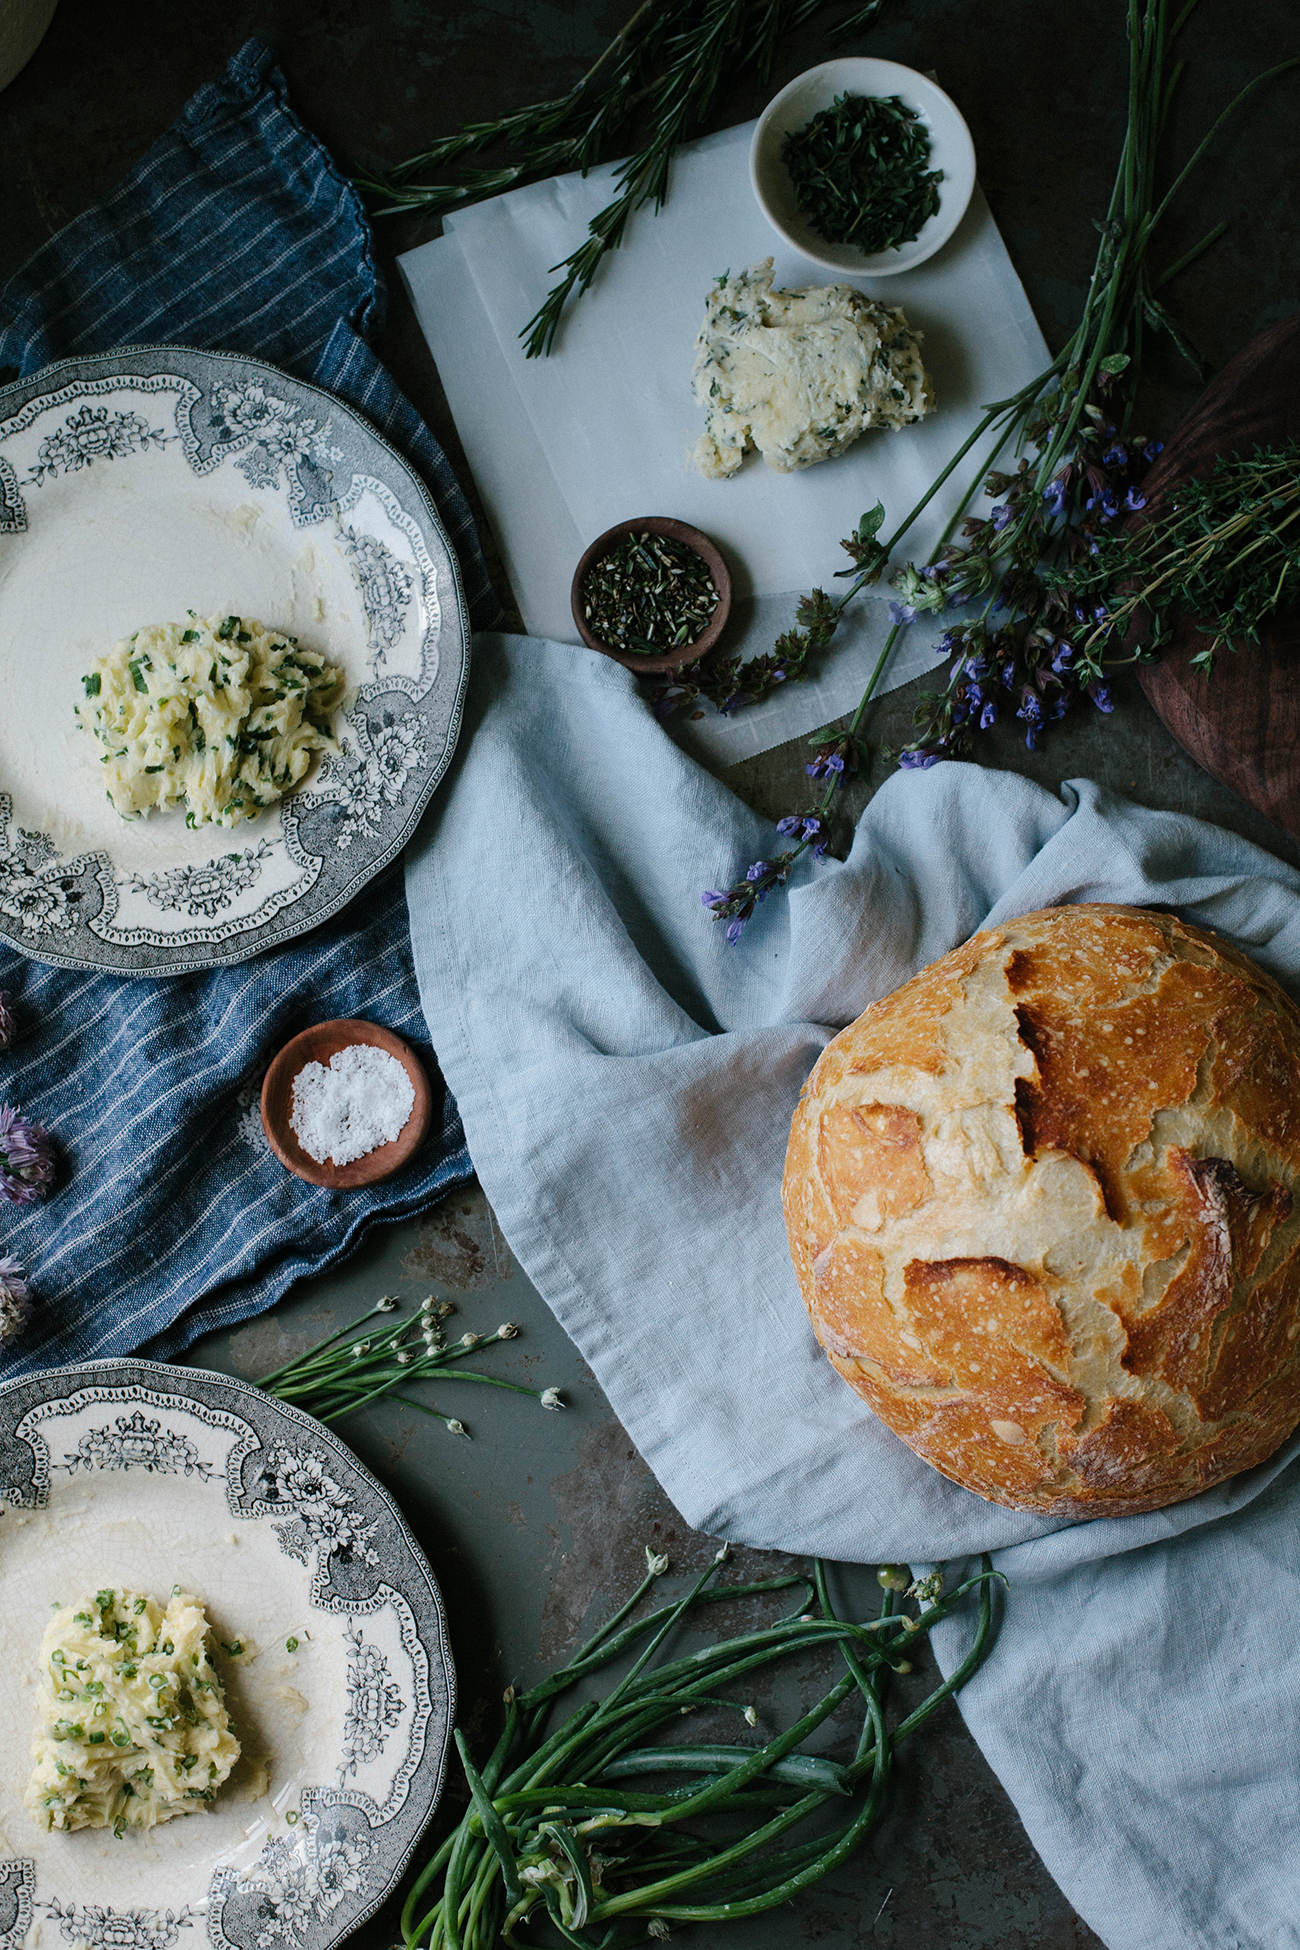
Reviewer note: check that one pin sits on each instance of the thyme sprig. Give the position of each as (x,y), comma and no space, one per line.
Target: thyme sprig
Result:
(552,1832)
(1225,552)
(1076,467)
(357,1365)
(667,64)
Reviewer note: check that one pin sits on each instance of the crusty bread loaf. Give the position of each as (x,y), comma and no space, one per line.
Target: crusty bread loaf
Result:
(1040,1206)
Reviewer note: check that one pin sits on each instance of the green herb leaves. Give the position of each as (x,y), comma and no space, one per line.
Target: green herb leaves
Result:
(1225,551)
(860,172)
(668,64)
(649,595)
(553,1832)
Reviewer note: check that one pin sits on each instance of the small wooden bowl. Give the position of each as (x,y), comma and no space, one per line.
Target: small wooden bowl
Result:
(678,531)
(317,1045)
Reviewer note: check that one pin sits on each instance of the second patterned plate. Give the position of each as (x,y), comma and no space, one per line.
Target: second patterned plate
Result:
(144,483)
(129,1473)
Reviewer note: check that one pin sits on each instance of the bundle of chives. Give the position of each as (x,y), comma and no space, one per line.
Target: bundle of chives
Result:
(550,1828)
(348,1370)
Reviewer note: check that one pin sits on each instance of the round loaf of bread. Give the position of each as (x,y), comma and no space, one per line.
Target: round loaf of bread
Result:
(1040,1205)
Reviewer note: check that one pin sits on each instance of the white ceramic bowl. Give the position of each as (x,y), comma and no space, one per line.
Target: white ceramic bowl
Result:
(951,150)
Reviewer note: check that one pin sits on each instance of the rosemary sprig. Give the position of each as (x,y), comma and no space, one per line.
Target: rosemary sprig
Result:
(1077,467)
(351,1368)
(667,63)
(553,1832)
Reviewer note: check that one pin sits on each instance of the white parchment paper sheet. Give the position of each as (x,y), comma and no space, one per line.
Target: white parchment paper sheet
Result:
(603,429)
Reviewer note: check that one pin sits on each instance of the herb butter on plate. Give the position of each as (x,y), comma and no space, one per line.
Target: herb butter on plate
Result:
(133,1728)
(219,713)
(800,374)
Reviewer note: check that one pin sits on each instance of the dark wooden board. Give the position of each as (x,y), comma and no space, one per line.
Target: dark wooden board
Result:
(1243,723)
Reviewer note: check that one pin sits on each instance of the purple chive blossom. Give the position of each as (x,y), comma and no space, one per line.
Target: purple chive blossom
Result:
(901,613)
(7,1022)
(1133,500)
(26,1158)
(15,1300)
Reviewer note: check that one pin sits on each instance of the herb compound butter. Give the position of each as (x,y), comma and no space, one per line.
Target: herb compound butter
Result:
(133,1727)
(800,374)
(220,714)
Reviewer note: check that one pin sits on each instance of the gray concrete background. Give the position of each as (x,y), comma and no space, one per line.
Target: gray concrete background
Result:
(536,1525)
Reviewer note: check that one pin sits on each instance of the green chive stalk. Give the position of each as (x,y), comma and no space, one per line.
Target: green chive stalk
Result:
(553,1832)
(358,1365)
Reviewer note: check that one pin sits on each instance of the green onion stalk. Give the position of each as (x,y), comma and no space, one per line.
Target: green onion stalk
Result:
(359,1365)
(1075,469)
(555,1832)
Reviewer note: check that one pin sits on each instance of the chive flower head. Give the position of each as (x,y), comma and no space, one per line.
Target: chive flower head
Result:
(15,1299)
(26,1158)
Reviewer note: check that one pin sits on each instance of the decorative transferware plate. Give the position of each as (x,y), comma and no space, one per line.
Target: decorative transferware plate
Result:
(133,1473)
(144,483)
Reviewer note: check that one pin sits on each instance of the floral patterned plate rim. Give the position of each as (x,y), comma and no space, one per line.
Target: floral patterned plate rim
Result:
(138,1474)
(141,483)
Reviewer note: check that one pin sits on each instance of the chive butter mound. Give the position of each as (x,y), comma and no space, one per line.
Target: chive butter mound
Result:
(133,1724)
(799,375)
(219,714)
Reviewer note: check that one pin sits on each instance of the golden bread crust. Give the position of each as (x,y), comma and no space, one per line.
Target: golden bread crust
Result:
(1040,1202)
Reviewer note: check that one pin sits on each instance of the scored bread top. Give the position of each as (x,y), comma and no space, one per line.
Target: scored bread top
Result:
(1040,1205)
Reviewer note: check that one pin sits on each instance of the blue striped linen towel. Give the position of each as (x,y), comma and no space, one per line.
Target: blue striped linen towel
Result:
(170,1214)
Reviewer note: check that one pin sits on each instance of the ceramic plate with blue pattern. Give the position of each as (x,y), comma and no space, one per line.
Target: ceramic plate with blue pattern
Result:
(145,483)
(131,1473)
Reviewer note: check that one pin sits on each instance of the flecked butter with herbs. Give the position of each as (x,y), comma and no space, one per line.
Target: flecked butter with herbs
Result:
(799,375)
(133,1725)
(219,714)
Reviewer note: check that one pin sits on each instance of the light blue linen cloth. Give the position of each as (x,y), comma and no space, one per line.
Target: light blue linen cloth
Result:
(626,1081)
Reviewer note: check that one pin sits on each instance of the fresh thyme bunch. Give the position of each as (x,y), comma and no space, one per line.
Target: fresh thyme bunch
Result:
(1077,467)
(350,1369)
(553,1831)
(666,65)
(1225,551)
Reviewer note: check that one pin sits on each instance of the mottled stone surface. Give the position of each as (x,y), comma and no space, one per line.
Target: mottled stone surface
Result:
(536,1527)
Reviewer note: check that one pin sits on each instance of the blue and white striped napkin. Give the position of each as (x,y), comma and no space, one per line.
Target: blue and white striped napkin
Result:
(170,1215)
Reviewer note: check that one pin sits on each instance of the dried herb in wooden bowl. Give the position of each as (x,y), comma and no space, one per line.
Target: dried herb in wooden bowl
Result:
(860,172)
(649,595)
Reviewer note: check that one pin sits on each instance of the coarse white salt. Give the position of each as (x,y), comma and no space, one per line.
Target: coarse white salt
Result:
(348,1110)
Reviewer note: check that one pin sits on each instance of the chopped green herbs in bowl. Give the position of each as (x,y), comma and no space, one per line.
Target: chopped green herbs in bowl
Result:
(861,172)
(863,166)
(652,593)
